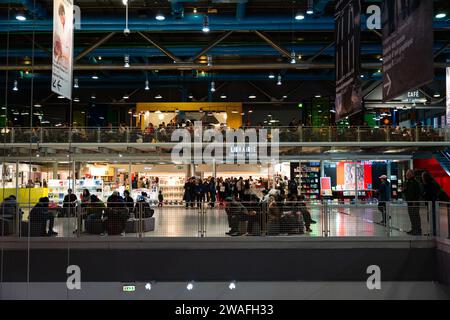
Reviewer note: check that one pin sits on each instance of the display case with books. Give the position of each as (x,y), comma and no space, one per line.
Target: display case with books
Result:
(94,186)
(57,189)
(310,179)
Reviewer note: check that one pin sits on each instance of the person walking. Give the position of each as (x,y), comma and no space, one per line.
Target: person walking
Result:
(212,192)
(384,196)
(411,194)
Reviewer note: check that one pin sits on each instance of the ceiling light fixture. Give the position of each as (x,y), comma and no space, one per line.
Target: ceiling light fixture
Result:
(252,97)
(209,61)
(158,96)
(126,96)
(279,83)
(37,105)
(299,15)
(271,76)
(95,77)
(160,17)
(206,28)
(75,83)
(126,61)
(76,99)
(293,58)
(146,86)
(194,10)
(15,87)
(21,16)
(223,96)
(437,95)
(310,9)
(125,2)
(441,15)
(213,86)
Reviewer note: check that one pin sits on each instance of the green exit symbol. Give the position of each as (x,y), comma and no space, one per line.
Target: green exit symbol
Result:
(300,105)
(128,288)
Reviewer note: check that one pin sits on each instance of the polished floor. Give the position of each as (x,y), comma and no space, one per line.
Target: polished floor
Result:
(341,222)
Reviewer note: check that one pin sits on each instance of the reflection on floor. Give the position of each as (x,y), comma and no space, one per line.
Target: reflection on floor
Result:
(343,222)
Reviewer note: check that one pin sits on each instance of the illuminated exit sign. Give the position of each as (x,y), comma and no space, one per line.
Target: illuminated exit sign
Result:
(128,288)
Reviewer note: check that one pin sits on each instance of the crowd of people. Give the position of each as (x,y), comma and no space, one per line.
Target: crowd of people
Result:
(294,131)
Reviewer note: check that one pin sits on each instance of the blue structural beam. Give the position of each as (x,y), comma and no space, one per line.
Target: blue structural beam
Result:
(189,23)
(220,50)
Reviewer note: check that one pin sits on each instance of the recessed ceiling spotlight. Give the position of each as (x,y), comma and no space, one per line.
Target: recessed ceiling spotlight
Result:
(21,16)
(158,96)
(160,17)
(299,15)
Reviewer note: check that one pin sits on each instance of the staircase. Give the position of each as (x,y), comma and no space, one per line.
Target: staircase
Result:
(443,157)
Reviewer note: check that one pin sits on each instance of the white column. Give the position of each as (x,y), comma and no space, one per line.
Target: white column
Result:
(17,181)
(130,181)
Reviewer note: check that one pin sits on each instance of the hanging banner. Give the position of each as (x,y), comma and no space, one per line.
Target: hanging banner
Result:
(407,46)
(62,66)
(348,66)
(448,96)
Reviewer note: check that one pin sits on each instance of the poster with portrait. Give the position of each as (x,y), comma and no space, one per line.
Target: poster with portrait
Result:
(349,176)
(348,63)
(62,53)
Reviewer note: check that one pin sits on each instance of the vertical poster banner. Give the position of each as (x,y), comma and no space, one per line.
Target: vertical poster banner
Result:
(62,65)
(348,64)
(407,46)
(448,96)
(325,187)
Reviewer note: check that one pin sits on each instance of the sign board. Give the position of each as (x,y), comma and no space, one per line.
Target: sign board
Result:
(448,96)
(62,53)
(128,288)
(325,187)
(348,65)
(407,46)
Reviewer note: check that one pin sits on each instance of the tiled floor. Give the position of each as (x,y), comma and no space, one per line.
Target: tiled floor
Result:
(343,222)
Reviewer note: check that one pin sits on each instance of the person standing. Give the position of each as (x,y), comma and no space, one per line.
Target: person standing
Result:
(212,192)
(384,196)
(129,202)
(411,194)
(69,203)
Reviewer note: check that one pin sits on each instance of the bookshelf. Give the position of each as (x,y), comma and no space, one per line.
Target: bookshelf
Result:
(310,179)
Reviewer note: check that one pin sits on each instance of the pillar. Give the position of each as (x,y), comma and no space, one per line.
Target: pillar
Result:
(356,181)
(130,181)
(17,181)
(214,169)
(55,170)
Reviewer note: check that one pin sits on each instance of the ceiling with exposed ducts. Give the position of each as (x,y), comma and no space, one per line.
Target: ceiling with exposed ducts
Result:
(248,41)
